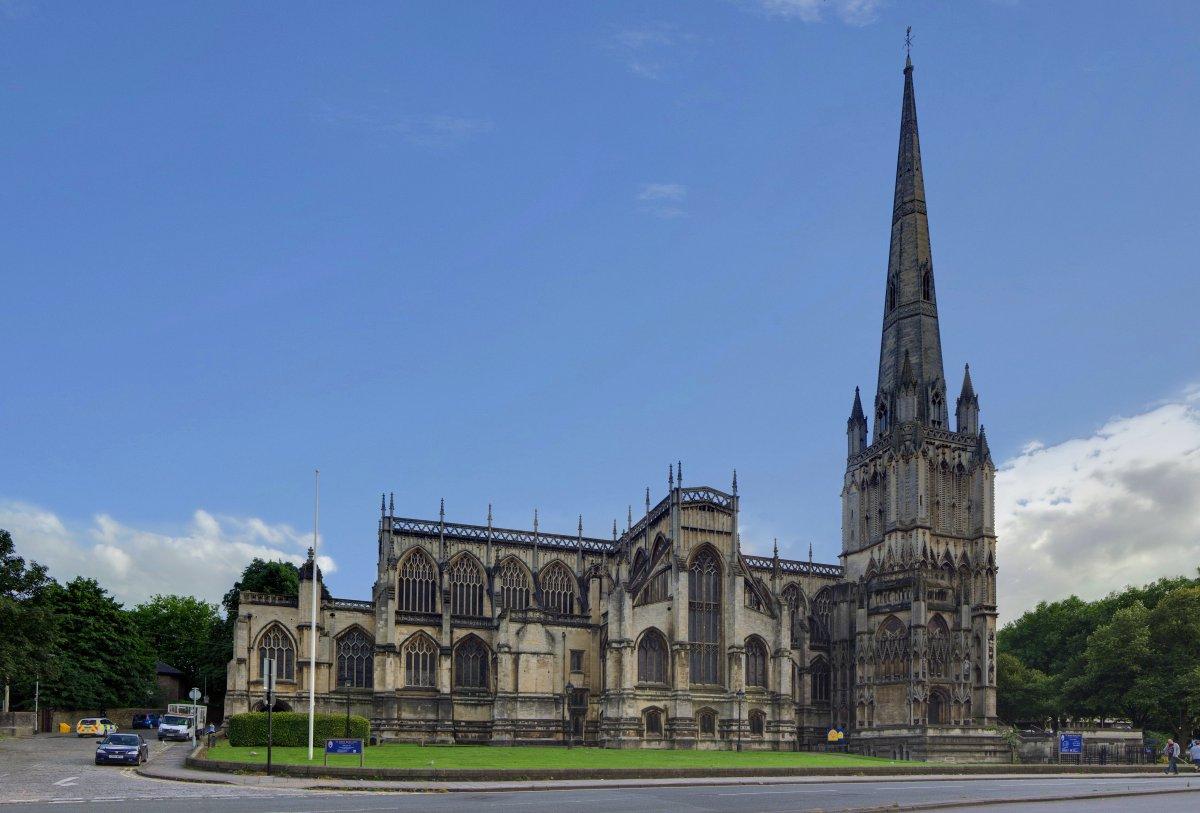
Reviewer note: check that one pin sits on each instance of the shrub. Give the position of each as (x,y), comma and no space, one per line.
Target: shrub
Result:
(291,728)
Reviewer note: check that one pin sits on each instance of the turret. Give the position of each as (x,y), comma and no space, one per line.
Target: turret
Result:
(856,427)
(967,411)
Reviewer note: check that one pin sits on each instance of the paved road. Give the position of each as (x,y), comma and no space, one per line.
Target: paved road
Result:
(58,771)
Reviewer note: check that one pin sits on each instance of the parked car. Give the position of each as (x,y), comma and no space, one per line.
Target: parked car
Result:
(95,727)
(176,727)
(126,749)
(148,720)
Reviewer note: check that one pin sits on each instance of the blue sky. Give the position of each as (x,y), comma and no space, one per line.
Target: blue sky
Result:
(531,253)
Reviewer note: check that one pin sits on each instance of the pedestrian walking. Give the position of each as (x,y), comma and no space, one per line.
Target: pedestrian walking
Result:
(1171,751)
(1194,754)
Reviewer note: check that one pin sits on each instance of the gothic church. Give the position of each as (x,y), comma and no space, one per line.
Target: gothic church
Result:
(667,635)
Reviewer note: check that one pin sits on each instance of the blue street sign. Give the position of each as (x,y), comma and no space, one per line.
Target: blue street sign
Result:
(343,746)
(1070,743)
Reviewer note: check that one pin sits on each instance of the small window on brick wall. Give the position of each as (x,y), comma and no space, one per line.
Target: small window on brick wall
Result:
(576,660)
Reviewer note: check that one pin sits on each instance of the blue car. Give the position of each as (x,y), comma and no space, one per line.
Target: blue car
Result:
(147,720)
(125,749)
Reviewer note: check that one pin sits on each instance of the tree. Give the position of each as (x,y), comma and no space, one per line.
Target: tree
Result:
(262,576)
(1024,694)
(26,617)
(1175,643)
(1115,659)
(180,630)
(103,661)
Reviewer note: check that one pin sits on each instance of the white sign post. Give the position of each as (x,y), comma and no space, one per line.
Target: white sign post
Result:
(194,696)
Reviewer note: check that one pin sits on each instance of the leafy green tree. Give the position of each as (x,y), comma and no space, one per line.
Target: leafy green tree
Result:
(103,661)
(180,630)
(1115,660)
(262,576)
(1024,694)
(1175,642)
(26,617)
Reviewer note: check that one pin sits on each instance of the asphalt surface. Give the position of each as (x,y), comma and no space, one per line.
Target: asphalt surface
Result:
(58,771)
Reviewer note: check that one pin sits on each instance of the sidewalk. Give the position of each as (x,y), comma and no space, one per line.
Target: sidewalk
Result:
(170,766)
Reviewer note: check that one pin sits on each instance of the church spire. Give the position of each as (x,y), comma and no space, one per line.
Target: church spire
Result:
(910,322)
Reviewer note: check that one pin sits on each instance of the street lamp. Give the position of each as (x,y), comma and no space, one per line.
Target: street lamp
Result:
(567,732)
(741,696)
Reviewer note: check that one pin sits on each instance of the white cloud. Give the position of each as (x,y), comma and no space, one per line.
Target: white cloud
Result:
(1090,515)
(651,51)
(436,130)
(851,12)
(202,559)
(662,199)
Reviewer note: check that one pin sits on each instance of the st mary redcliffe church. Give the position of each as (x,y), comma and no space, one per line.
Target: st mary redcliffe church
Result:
(667,635)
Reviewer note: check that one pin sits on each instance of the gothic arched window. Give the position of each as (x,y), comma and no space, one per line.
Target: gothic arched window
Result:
(652,658)
(818,673)
(707,722)
(822,612)
(891,295)
(558,589)
(513,582)
(654,723)
(466,587)
(927,286)
(794,599)
(704,617)
(756,662)
(277,645)
(356,659)
(418,583)
(471,659)
(420,662)
(937,708)
(758,723)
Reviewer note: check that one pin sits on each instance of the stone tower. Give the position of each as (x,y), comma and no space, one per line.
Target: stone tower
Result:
(918,539)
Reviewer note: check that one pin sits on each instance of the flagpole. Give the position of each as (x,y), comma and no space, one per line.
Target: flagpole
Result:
(312,641)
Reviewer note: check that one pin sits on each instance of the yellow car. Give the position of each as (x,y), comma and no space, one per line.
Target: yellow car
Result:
(95,727)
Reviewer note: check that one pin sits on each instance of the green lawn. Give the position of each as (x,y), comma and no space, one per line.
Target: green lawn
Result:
(448,757)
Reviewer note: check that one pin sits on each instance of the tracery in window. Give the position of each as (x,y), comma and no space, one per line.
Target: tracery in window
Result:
(819,680)
(418,583)
(466,587)
(558,589)
(756,662)
(794,599)
(471,662)
(512,586)
(420,662)
(652,658)
(939,648)
(704,617)
(891,646)
(355,659)
(277,645)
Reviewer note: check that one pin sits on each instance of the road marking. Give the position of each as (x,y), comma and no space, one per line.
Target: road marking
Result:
(66,783)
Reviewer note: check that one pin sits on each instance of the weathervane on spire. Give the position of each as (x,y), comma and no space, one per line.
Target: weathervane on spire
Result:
(908,41)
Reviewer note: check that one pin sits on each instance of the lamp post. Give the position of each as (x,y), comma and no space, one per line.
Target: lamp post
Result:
(567,732)
(741,696)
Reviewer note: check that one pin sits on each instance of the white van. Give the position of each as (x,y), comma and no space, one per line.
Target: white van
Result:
(176,727)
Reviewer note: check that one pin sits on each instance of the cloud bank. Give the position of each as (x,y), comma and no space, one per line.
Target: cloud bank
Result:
(851,12)
(664,200)
(204,558)
(1094,514)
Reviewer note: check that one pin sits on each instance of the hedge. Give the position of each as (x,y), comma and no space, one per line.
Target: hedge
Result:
(291,728)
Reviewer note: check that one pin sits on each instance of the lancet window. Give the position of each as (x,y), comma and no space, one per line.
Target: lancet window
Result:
(652,658)
(939,648)
(704,617)
(471,660)
(819,679)
(513,586)
(891,647)
(466,587)
(420,662)
(418,584)
(756,662)
(355,660)
(277,645)
(558,589)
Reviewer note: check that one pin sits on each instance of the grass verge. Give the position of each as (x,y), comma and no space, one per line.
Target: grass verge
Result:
(517,758)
